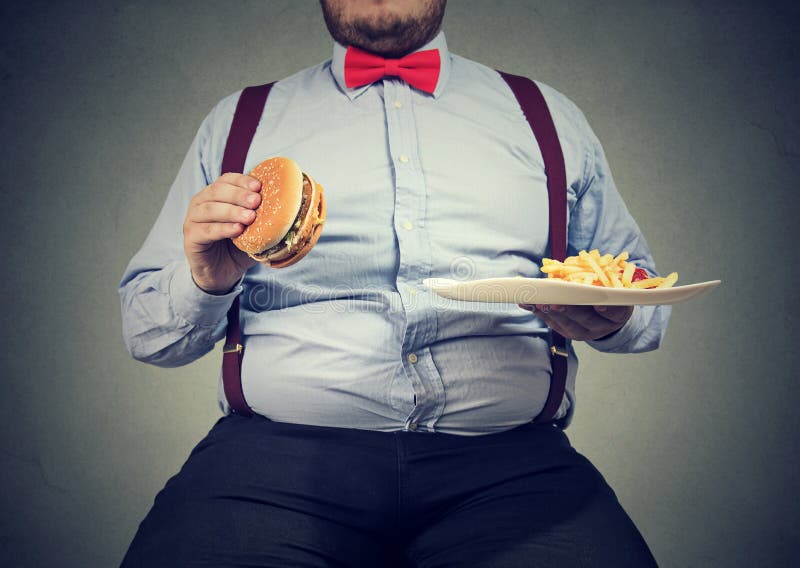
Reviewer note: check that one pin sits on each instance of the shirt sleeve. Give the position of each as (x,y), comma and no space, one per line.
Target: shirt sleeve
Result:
(167,320)
(600,220)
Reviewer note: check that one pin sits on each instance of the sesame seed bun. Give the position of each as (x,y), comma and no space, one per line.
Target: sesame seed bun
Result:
(281,196)
(290,217)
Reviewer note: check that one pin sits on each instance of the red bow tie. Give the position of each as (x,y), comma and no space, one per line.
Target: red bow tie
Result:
(420,69)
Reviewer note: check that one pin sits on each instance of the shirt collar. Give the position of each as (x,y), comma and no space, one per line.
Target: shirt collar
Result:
(439,42)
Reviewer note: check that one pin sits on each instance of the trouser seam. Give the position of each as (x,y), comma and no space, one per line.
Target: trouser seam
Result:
(401,483)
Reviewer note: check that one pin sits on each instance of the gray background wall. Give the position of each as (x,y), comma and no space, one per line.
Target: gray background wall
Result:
(697,106)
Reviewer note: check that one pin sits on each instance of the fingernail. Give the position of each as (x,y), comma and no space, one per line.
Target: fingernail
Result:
(246,214)
(252,199)
(254,184)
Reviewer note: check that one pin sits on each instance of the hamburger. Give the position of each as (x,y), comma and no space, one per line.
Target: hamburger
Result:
(289,218)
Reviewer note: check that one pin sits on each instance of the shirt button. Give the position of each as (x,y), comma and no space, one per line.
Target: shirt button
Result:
(404,158)
(398,104)
(408,225)
(412,358)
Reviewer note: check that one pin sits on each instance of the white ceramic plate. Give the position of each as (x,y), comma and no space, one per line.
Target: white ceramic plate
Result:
(551,291)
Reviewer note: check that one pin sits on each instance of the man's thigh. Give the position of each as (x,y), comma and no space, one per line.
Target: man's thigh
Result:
(259,493)
(524,500)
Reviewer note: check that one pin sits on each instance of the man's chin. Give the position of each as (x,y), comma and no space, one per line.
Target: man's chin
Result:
(387,47)
(387,34)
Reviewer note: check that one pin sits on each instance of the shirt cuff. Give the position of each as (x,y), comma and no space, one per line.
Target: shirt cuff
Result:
(624,335)
(195,305)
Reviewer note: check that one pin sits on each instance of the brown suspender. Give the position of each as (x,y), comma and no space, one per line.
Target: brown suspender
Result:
(245,121)
(534,107)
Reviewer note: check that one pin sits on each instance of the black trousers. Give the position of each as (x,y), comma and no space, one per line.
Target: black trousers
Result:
(261,493)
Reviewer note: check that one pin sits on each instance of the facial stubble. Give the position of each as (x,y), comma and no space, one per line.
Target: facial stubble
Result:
(388,35)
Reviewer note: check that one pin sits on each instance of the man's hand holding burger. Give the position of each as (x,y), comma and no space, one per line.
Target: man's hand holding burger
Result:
(273,216)
(221,211)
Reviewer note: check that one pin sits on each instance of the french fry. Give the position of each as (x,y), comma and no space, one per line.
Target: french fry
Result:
(669,281)
(654,282)
(593,269)
(627,274)
(591,260)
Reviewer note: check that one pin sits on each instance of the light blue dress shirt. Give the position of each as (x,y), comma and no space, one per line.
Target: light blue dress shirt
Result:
(444,185)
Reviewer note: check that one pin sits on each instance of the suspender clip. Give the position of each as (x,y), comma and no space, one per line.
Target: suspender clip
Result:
(556,351)
(232,348)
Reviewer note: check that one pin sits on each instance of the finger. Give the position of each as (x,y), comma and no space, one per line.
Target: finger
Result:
(567,327)
(616,314)
(240,180)
(586,316)
(554,308)
(228,193)
(207,233)
(218,212)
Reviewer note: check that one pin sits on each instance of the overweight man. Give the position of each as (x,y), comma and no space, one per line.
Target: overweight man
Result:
(390,427)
